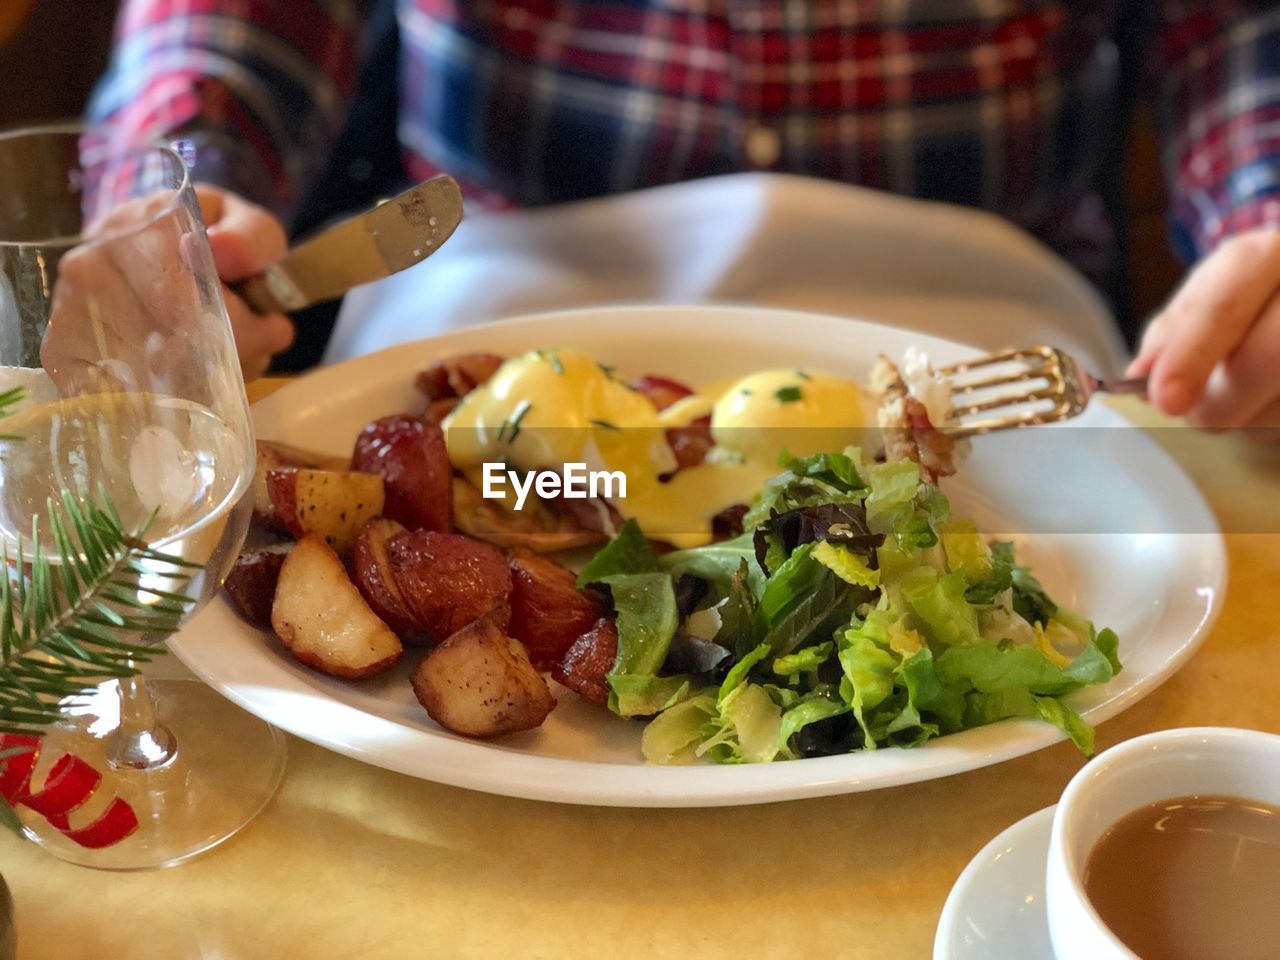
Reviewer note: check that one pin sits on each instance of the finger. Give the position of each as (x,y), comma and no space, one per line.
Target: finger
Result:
(1248,381)
(258,338)
(1154,339)
(1209,317)
(210,200)
(245,238)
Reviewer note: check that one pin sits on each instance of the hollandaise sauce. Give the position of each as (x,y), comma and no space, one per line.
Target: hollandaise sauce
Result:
(550,407)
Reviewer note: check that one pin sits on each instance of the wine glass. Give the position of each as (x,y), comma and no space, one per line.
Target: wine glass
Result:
(112,322)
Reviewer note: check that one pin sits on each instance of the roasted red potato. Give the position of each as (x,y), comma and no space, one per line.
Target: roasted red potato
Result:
(377,583)
(479,682)
(334,504)
(548,611)
(275,456)
(321,619)
(410,455)
(448,580)
(251,584)
(661,391)
(453,377)
(586,664)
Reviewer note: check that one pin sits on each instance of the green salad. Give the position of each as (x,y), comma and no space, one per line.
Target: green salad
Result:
(853,613)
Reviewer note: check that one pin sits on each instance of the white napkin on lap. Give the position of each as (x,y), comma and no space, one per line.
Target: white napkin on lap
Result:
(763,239)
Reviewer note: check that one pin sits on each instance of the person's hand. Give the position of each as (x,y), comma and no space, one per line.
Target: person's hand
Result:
(1213,353)
(246,239)
(128,297)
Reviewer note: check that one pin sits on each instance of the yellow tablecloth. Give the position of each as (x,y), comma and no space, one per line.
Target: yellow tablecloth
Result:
(353,861)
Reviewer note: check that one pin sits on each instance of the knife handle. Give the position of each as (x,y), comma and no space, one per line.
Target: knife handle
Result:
(271,291)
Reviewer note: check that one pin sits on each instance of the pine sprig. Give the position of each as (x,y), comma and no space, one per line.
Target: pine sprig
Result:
(67,626)
(91,612)
(8,400)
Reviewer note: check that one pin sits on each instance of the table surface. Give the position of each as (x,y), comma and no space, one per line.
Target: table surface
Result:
(350,860)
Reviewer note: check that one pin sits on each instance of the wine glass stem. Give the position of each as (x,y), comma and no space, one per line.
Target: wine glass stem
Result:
(141,742)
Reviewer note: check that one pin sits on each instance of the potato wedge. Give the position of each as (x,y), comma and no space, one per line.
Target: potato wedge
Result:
(251,584)
(585,666)
(479,683)
(335,504)
(448,580)
(274,456)
(410,455)
(320,617)
(377,583)
(548,611)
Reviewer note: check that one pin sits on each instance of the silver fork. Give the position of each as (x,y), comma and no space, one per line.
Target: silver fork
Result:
(1022,388)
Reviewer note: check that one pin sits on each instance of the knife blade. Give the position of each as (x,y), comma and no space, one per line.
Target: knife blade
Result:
(392,236)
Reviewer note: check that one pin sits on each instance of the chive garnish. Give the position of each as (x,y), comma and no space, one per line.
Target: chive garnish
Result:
(510,429)
(552,356)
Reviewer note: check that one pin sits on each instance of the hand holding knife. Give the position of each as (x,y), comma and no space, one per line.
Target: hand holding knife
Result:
(395,234)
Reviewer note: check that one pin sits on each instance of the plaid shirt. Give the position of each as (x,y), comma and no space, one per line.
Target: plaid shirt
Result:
(1016,106)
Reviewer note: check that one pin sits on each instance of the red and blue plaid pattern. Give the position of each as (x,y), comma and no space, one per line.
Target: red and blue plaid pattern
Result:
(1008,105)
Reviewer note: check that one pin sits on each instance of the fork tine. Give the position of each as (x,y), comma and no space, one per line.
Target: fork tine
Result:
(973,386)
(1028,418)
(1041,353)
(1006,400)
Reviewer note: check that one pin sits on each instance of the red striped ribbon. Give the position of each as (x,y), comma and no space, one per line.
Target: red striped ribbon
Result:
(70,783)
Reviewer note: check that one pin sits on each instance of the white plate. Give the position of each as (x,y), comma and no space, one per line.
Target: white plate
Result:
(1159,591)
(996,910)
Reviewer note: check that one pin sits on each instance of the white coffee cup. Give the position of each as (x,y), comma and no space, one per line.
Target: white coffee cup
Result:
(1138,772)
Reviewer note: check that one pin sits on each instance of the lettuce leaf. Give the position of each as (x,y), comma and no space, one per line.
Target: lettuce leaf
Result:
(927,694)
(803,481)
(802,661)
(817,706)
(994,668)
(718,564)
(737,675)
(967,553)
(901,507)
(869,678)
(643,694)
(790,583)
(984,708)
(745,729)
(826,605)
(846,564)
(1067,720)
(844,523)
(647,618)
(939,604)
(671,736)
(1030,599)
(628,552)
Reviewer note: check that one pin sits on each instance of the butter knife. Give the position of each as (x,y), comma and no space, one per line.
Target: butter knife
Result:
(395,234)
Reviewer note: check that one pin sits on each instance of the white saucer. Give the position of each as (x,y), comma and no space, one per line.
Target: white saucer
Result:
(996,909)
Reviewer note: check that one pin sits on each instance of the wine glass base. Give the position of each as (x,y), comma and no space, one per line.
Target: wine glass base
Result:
(227,765)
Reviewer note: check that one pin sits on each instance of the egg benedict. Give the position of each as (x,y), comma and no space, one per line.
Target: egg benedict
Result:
(552,407)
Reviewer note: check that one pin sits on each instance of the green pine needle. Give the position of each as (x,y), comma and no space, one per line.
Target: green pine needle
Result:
(8,400)
(67,626)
